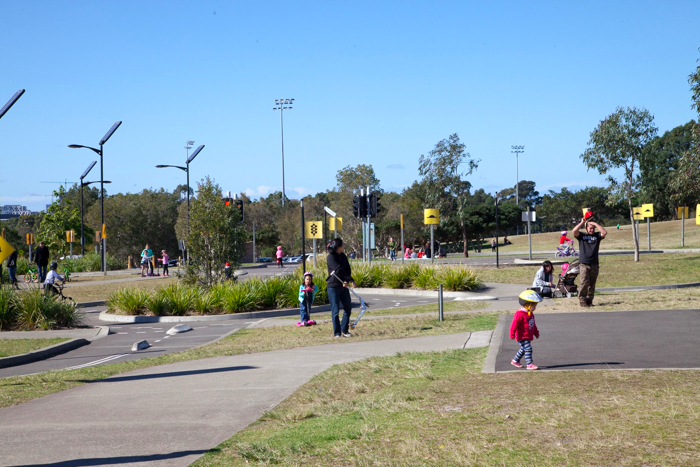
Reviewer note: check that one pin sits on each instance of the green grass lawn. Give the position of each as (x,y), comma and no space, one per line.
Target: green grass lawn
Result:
(449,305)
(615,271)
(10,347)
(437,409)
(18,389)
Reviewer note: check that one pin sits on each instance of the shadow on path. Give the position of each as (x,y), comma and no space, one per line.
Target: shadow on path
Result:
(121,460)
(580,364)
(168,375)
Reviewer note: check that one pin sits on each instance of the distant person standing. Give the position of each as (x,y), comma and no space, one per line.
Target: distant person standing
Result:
(391,245)
(12,268)
(165,259)
(280,257)
(493,245)
(41,258)
(146,265)
(339,278)
(588,244)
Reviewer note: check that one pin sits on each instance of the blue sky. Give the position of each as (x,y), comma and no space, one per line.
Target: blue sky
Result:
(375,83)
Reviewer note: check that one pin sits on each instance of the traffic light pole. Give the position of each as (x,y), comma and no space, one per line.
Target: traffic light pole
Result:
(303,239)
(369,231)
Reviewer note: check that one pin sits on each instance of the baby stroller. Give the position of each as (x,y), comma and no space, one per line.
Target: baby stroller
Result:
(566,287)
(565,250)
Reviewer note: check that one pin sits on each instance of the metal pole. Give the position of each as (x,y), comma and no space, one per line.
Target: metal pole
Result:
(82,220)
(369,231)
(325,226)
(188,197)
(254,258)
(649,233)
(432,243)
(303,239)
(335,225)
(441,310)
(682,227)
(403,254)
(314,252)
(103,245)
(517,191)
(282,133)
(71,245)
(529,233)
(496,233)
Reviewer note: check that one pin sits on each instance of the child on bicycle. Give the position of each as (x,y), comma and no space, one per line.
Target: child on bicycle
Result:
(307,293)
(51,278)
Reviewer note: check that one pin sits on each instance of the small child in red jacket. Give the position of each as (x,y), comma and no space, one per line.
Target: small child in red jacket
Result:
(523,328)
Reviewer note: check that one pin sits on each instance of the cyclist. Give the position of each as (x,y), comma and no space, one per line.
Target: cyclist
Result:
(51,278)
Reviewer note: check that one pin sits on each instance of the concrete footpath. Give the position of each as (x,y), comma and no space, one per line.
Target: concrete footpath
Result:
(170,415)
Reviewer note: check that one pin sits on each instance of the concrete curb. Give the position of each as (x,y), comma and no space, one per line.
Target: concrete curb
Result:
(89,304)
(648,287)
(495,346)
(424,293)
(56,349)
(44,353)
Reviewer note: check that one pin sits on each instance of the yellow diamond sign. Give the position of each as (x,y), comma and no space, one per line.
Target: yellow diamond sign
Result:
(5,249)
(314,229)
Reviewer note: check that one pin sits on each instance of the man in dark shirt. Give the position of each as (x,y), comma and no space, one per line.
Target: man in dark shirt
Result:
(41,258)
(589,244)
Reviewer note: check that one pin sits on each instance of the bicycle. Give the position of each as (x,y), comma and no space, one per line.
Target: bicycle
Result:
(58,292)
(32,275)
(66,273)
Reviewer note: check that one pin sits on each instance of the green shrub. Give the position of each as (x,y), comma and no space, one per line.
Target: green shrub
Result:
(237,298)
(425,279)
(157,304)
(272,291)
(179,299)
(8,310)
(369,276)
(400,277)
(36,310)
(206,302)
(23,265)
(458,279)
(59,313)
(129,301)
(91,263)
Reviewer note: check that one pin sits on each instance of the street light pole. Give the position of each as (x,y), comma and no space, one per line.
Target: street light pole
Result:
(82,217)
(105,138)
(517,150)
(281,103)
(186,169)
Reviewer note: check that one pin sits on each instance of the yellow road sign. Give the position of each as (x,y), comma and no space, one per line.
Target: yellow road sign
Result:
(314,229)
(70,236)
(648,210)
(5,249)
(697,215)
(104,231)
(402,221)
(30,239)
(585,210)
(331,223)
(681,214)
(431,216)
(638,213)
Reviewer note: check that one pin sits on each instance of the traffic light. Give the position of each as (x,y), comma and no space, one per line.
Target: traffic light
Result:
(228,202)
(359,206)
(239,206)
(374,207)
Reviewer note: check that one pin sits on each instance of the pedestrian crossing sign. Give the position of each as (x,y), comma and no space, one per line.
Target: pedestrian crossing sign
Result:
(314,229)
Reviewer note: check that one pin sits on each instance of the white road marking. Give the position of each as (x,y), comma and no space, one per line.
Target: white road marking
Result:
(97,362)
(160,331)
(158,340)
(122,333)
(140,332)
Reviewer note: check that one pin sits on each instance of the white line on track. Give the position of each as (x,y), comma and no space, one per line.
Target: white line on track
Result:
(97,362)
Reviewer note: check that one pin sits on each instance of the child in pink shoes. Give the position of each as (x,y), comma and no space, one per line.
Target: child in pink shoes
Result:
(307,293)
(523,328)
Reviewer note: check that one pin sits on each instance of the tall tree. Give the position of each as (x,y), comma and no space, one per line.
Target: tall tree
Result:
(60,217)
(617,143)
(446,186)
(684,184)
(216,235)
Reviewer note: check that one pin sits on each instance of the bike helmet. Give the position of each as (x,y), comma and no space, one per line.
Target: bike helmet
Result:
(54,265)
(309,273)
(529,297)
(563,232)
(588,215)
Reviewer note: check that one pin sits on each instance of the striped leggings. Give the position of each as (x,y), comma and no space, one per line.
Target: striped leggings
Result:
(525,349)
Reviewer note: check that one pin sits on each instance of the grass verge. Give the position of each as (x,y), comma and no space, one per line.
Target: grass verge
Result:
(18,389)
(616,271)
(403,310)
(10,347)
(438,409)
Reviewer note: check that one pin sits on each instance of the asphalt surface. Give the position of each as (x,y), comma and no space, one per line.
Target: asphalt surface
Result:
(609,340)
(116,347)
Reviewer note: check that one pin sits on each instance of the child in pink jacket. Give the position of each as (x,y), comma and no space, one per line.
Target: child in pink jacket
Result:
(524,329)
(280,256)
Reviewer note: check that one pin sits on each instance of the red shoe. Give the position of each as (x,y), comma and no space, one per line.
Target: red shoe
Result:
(532,366)
(516,364)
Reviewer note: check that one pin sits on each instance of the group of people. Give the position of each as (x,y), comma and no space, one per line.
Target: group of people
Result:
(147,262)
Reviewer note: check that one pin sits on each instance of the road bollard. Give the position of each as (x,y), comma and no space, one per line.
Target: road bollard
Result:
(441,312)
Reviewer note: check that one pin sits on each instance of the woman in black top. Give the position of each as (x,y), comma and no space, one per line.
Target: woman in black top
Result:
(339,277)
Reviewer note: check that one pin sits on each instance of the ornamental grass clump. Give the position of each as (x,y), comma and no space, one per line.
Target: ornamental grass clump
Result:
(179,298)
(400,277)
(458,279)
(37,310)
(128,301)
(8,310)
(425,279)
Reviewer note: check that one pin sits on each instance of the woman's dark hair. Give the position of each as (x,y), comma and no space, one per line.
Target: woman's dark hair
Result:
(334,244)
(547,264)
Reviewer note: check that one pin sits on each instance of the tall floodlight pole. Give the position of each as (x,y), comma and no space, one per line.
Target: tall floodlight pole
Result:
(517,150)
(282,105)
(11,102)
(105,138)
(186,169)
